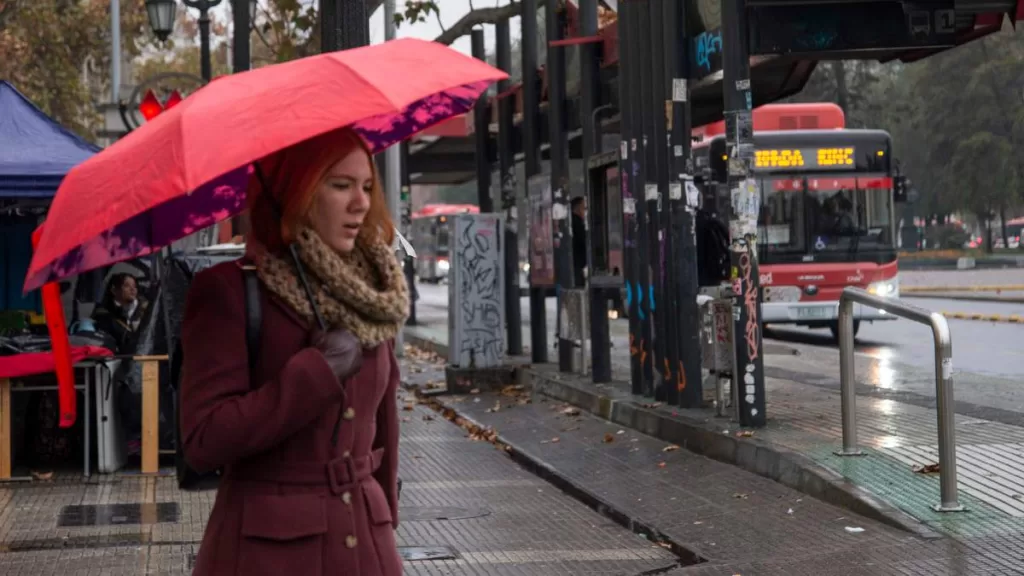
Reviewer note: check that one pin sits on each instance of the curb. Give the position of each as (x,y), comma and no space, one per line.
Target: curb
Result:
(1003,318)
(786,467)
(966,297)
(990,288)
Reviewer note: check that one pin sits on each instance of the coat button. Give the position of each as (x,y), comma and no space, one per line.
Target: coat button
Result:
(346,454)
(349,413)
(351,541)
(346,497)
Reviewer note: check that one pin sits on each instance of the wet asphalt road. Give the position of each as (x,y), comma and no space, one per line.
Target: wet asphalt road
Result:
(893,356)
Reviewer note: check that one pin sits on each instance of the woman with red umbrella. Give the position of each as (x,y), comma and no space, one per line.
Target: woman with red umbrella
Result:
(307,437)
(310,436)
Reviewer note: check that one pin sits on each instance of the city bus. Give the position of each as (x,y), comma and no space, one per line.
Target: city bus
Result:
(827,219)
(429,237)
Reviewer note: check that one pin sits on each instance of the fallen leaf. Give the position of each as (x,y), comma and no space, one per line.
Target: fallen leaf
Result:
(661,464)
(409,407)
(609,438)
(428,417)
(670,448)
(474,391)
(621,432)
(555,440)
(927,469)
(571,411)
(740,496)
(744,433)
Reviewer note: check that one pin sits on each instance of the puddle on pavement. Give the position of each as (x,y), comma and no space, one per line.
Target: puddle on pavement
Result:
(79,516)
(426,553)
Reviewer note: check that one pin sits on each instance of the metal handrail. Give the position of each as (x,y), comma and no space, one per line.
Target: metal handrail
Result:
(943,383)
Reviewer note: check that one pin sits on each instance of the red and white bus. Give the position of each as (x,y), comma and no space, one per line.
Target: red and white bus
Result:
(429,237)
(827,217)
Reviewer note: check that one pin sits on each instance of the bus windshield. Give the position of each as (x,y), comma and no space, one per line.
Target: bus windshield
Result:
(813,215)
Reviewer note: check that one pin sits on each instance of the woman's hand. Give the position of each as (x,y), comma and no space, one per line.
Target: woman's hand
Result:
(342,351)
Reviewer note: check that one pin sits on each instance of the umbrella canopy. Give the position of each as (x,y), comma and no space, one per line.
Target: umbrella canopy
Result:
(188,168)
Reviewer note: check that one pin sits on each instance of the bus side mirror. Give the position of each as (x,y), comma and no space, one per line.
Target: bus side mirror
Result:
(900,185)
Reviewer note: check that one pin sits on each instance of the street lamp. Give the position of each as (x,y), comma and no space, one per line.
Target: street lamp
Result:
(162,15)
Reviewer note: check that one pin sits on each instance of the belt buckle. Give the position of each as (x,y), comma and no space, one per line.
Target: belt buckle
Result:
(336,483)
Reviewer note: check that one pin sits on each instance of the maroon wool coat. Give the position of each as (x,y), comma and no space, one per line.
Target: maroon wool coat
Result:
(289,503)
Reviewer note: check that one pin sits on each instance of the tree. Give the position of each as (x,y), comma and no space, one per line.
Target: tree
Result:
(57,52)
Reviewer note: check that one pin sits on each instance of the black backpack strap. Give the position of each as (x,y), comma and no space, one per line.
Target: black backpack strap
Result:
(253,312)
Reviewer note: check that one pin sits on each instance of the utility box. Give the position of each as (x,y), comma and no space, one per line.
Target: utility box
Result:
(476,291)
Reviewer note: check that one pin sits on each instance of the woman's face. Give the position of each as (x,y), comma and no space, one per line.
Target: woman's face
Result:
(127,292)
(342,201)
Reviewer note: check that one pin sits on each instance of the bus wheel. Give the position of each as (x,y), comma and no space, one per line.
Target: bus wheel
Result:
(834,327)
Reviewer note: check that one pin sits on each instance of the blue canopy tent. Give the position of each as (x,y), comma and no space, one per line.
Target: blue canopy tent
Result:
(35,155)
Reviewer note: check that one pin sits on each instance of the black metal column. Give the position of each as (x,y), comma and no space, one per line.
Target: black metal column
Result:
(600,339)
(329,25)
(662,303)
(240,47)
(406,197)
(647,186)
(743,220)
(555,23)
(683,205)
(205,66)
(531,164)
(507,164)
(353,24)
(480,133)
(627,183)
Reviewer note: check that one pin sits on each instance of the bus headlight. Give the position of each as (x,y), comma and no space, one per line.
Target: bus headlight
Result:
(443,265)
(887,288)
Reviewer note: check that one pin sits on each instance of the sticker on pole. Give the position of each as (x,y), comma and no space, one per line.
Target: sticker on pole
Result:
(675,191)
(679,90)
(692,194)
(559,211)
(624,149)
(629,205)
(947,368)
(651,192)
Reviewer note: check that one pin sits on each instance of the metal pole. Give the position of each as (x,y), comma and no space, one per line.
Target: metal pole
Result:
(648,180)
(945,409)
(555,21)
(410,265)
(531,164)
(329,26)
(240,58)
(664,316)
(627,183)
(744,210)
(507,163)
(393,162)
(684,207)
(115,51)
(847,380)
(600,339)
(204,40)
(353,27)
(946,413)
(480,133)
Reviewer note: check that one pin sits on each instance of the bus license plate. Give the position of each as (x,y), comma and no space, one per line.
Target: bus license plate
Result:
(813,312)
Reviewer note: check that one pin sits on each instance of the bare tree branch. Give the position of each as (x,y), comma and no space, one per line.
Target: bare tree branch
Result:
(475,18)
(437,14)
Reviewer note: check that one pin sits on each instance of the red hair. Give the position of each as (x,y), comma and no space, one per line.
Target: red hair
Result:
(293,176)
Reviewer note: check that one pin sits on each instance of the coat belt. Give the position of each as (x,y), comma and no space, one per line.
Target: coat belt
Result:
(336,474)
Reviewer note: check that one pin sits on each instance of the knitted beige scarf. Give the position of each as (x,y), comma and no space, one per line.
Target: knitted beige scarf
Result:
(364,292)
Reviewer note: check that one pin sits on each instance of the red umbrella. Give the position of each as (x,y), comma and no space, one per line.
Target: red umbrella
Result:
(188,168)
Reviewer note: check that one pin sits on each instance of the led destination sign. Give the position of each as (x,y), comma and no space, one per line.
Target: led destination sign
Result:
(805,159)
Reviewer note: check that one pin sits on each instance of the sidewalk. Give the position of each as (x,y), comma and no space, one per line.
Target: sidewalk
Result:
(898,431)
(465,509)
